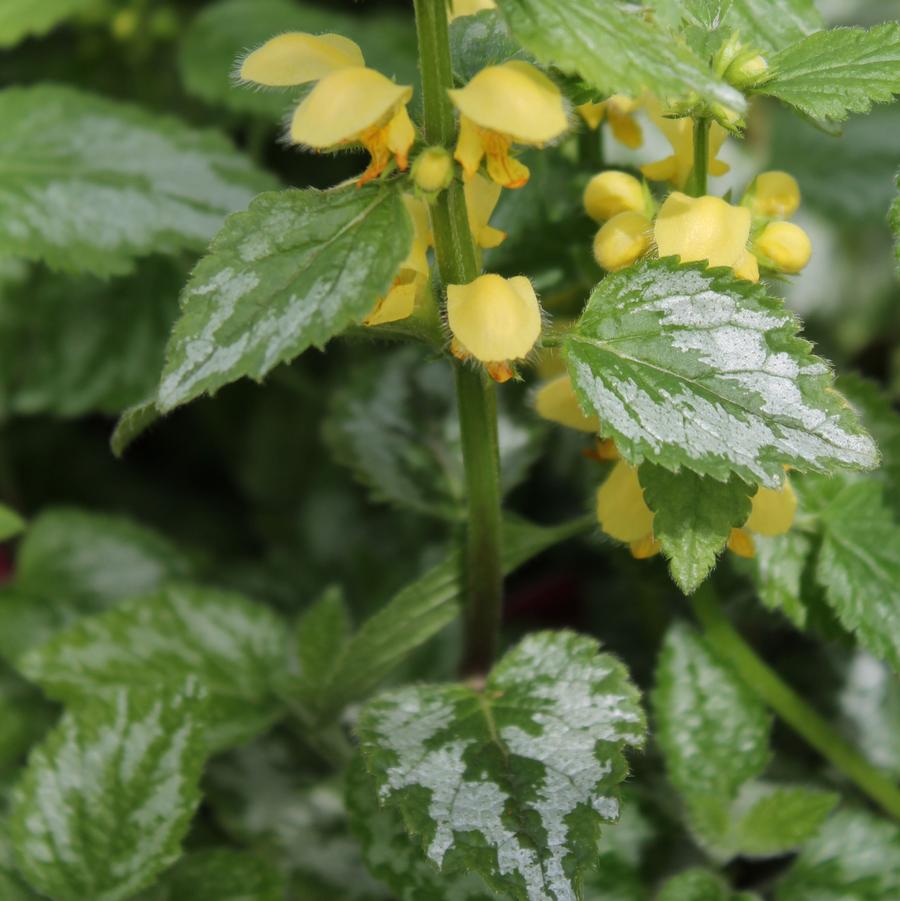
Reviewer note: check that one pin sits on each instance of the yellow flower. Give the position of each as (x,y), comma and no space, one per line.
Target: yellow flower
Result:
(774,195)
(433,170)
(469,7)
(624,515)
(618,110)
(556,400)
(350,104)
(703,228)
(512,103)
(400,301)
(612,192)
(784,246)
(622,240)
(680,134)
(482,195)
(496,320)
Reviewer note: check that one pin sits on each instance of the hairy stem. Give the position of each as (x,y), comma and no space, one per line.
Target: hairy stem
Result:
(457,261)
(696,185)
(788,705)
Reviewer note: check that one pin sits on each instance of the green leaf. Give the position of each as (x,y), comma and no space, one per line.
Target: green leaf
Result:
(692,367)
(855,857)
(490,782)
(694,517)
(778,568)
(393,857)
(859,567)
(775,820)
(89,184)
(11,524)
(76,345)
(73,563)
(614,48)
(895,223)
(395,424)
(132,424)
(24,718)
(479,41)
(107,798)
(830,74)
(698,884)
(421,610)
(714,733)
(235,648)
(771,25)
(291,272)
(219,874)
(222,32)
(21,18)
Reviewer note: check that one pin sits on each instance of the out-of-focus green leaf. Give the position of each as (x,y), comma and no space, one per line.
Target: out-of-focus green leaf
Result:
(855,857)
(72,563)
(289,273)
(108,796)
(698,884)
(479,41)
(488,782)
(694,516)
(24,718)
(235,648)
(830,74)
(614,48)
(21,18)
(687,366)
(223,32)
(772,25)
(89,184)
(11,524)
(75,345)
(778,572)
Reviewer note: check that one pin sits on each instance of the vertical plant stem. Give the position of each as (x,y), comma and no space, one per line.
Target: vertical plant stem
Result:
(696,185)
(590,148)
(788,705)
(457,261)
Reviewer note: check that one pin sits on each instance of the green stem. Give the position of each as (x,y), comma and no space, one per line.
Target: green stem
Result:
(763,680)
(590,148)
(696,185)
(457,260)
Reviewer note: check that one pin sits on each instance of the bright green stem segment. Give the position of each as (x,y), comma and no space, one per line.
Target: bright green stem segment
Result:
(696,185)
(790,706)
(457,261)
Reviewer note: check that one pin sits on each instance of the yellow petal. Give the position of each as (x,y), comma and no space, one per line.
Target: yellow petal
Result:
(741,543)
(592,113)
(343,105)
(624,128)
(417,260)
(775,194)
(401,135)
(644,548)
(495,318)
(399,303)
(747,267)
(558,402)
(514,99)
(662,170)
(612,192)
(296,58)
(786,245)
(773,510)
(469,147)
(624,239)
(469,7)
(621,510)
(702,228)
(504,169)
(482,195)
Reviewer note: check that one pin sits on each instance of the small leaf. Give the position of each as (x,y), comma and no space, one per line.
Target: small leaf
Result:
(855,856)
(692,367)
(698,884)
(778,569)
(89,184)
(694,516)
(107,798)
(614,48)
(859,567)
(490,782)
(21,18)
(11,524)
(235,648)
(72,563)
(289,273)
(830,74)
(393,857)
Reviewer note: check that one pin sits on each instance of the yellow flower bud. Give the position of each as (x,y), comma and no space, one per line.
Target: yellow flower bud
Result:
(296,58)
(772,510)
(482,195)
(747,70)
(785,245)
(609,193)
(502,105)
(624,239)
(702,228)
(557,401)
(494,319)
(433,170)
(774,194)
(621,509)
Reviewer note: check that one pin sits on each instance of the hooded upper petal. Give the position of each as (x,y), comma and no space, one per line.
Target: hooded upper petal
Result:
(296,58)
(773,510)
(702,228)
(621,509)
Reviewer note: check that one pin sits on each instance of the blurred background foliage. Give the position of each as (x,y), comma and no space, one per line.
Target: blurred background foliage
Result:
(344,468)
